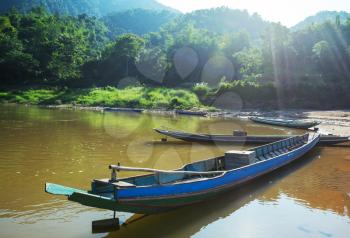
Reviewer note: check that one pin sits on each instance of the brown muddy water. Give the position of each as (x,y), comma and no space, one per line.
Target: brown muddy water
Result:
(309,198)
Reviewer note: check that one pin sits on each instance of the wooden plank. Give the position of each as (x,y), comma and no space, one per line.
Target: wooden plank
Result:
(124,168)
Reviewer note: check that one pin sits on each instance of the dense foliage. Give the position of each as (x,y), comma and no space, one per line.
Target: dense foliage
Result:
(212,52)
(41,48)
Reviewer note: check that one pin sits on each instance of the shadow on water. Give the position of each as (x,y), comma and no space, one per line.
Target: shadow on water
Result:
(189,220)
(171,142)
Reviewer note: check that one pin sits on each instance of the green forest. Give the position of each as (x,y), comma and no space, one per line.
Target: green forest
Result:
(164,59)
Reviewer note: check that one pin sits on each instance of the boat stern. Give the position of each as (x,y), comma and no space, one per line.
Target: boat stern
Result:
(82,197)
(56,189)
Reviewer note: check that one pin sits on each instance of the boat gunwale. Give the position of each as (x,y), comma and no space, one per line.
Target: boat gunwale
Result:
(225,171)
(221,187)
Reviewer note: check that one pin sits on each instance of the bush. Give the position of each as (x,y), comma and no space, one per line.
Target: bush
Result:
(201,89)
(109,96)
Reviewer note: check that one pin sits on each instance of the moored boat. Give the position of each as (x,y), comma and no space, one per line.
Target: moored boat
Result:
(243,138)
(191,113)
(119,109)
(284,122)
(162,190)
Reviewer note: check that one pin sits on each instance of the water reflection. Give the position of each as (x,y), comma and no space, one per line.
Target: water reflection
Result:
(74,147)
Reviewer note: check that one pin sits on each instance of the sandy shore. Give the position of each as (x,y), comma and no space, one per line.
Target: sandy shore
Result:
(335,122)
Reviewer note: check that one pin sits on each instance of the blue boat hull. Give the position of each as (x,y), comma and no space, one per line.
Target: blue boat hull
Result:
(169,196)
(173,193)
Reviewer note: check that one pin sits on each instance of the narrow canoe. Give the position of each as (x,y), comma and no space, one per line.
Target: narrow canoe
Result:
(191,113)
(284,122)
(248,139)
(161,191)
(117,109)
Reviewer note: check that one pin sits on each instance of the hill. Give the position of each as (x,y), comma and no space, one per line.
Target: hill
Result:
(137,21)
(224,20)
(76,7)
(322,17)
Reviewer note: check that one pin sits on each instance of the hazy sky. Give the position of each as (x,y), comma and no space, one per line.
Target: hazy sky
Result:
(287,12)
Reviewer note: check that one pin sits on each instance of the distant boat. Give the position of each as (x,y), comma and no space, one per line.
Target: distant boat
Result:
(243,138)
(163,190)
(284,122)
(190,113)
(119,109)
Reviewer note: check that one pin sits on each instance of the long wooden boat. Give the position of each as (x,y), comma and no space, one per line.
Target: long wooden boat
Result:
(244,139)
(119,109)
(191,113)
(162,190)
(284,122)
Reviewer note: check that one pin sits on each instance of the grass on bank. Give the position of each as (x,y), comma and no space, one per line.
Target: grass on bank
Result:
(132,97)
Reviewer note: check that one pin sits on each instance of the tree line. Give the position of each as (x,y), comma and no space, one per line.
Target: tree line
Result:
(210,52)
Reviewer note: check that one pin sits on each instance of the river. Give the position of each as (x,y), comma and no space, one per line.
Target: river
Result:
(309,198)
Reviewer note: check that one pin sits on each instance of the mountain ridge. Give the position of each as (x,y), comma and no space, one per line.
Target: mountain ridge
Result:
(96,8)
(321,17)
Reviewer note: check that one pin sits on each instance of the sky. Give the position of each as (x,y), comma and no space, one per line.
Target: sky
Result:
(288,13)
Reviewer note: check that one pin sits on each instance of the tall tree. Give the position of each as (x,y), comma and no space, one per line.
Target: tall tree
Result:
(119,59)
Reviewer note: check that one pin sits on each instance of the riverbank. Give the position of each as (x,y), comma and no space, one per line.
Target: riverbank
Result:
(130,97)
(164,101)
